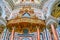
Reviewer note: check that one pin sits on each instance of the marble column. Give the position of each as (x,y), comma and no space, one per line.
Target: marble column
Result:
(46,30)
(38,32)
(54,32)
(44,38)
(42,35)
(12,34)
(4,34)
(45,35)
(50,36)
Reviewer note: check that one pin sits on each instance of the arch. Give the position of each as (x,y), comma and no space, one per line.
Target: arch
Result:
(47,7)
(51,21)
(2,10)
(2,21)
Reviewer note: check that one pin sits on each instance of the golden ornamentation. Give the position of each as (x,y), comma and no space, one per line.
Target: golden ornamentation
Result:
(26,23)
(56,10)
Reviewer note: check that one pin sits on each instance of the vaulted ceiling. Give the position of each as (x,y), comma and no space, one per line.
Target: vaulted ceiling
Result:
(42,8)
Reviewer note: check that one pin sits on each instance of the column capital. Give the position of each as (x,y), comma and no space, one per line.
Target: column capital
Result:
(51,20)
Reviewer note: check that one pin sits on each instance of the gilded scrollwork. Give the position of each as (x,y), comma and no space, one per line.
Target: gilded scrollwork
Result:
(56,10)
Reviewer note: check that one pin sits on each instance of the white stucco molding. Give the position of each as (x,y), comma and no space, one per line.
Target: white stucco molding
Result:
(48,7)
(58,19)
(51,20)
(3,21)
(7,6)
